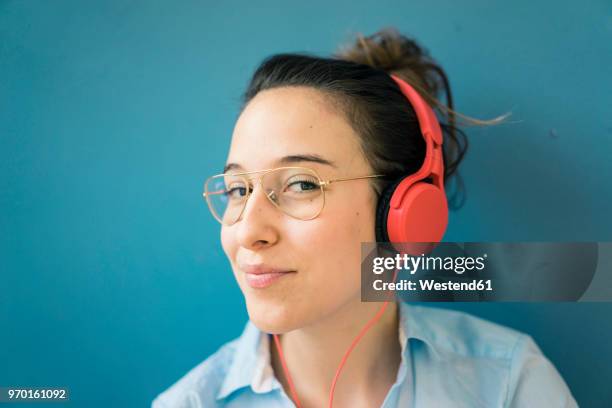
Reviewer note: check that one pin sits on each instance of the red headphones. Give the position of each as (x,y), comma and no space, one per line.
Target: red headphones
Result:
(411,209)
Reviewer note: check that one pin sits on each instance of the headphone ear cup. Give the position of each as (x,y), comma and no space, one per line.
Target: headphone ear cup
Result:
(422,217)
(382,210)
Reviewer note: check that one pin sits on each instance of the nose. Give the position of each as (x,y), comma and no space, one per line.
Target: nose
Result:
(256,227)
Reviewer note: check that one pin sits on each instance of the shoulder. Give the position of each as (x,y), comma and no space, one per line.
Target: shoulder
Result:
(507,364)
(202,381)
(534,380)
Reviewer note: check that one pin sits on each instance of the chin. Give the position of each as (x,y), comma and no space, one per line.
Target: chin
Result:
(272,317)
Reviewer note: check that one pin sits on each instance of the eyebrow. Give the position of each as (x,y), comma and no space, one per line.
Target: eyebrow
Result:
(294,158)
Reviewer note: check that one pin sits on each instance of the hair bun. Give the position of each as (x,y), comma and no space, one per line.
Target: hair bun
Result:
(394,53)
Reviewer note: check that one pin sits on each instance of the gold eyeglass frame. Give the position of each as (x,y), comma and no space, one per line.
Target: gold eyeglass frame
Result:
(322,185)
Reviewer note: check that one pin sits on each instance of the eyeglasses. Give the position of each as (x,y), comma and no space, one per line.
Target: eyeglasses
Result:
(297,191)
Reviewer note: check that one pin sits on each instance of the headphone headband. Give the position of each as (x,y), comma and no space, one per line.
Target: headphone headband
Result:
(433,165)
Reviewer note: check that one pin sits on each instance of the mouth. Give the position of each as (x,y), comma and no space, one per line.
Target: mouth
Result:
(260,281)
(261,276)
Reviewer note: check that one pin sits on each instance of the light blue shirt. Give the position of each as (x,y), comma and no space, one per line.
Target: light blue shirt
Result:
(449,359)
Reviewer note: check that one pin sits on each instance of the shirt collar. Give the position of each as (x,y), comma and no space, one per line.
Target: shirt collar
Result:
(251,364)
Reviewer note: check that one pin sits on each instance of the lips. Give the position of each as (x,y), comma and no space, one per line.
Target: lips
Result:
(262,269)
(261,276)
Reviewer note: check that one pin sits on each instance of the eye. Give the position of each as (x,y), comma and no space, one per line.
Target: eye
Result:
(302,184)
(236,191)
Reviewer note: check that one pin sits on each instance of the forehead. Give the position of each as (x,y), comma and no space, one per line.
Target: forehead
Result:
(293,121)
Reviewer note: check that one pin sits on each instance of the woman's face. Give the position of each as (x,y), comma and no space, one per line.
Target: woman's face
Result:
(323,254)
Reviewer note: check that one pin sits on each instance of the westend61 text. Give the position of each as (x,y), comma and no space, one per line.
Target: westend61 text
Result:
(430,284)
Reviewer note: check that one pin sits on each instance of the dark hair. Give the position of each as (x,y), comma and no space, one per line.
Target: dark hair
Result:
(357,81)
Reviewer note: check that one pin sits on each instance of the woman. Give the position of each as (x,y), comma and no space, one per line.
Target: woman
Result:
(293,242)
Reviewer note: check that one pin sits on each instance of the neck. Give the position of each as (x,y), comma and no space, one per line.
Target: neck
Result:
(313,354)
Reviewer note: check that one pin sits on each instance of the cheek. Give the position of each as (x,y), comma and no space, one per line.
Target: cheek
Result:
(334,241)
(334,230)
(352,223)
(228,243)
(231,248)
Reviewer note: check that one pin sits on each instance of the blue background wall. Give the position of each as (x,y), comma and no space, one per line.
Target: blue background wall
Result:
(112,113)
